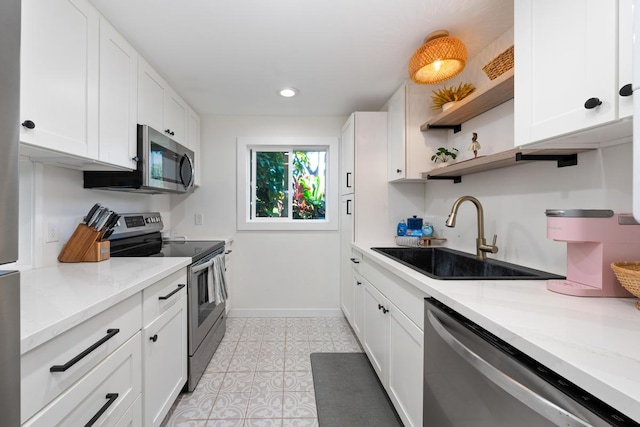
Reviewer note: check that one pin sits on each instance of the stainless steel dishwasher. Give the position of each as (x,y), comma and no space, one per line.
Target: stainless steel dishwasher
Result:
(473,378)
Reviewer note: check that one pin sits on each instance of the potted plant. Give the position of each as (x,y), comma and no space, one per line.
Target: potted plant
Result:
(443,155)
(445,96)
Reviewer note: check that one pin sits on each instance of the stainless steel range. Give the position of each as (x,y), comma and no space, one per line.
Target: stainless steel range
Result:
(138,235)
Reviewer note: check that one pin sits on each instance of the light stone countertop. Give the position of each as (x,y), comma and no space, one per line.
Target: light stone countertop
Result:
(593,342)
(54,299)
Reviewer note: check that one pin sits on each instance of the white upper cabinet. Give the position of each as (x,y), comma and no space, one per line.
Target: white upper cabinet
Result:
(118,97)
(625,54)
(407,150)
(151,98)
(175,120)
(59,76)
(159,106)
(347,156)
(567,67)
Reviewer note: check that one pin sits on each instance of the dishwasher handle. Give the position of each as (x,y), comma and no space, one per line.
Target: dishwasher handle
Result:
(539,404)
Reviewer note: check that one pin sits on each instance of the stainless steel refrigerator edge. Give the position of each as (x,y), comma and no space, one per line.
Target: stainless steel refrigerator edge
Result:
(9,187)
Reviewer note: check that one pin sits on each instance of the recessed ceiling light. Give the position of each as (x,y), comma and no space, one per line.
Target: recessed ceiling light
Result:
(288,92)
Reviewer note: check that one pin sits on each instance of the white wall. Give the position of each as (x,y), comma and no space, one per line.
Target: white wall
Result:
(55,195)
(271,270)
(515,199)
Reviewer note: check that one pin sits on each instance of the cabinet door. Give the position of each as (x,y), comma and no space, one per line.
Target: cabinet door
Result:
(151,97)
(396,137)
(405,367)
(346,237)
(565,55)
(347,156)
(175,116)
(376,330)
(193,141)
(625,53)
(358,283)
(118,95)
(133,416)
(165,362)
(59,75)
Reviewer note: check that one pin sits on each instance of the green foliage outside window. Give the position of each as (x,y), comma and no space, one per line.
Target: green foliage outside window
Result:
(308,184)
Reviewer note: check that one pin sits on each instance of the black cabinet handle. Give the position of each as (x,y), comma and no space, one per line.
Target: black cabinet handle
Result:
(112,398)
(136,159)
(355,261)
(384,310)
(348,206)
(28,124)
(348,175)
(170,294)
(228,252)
(61,368)
(379,306)
(358,282)
(154,338)
(398,170)
(592,103)
(626,90)
(169,131)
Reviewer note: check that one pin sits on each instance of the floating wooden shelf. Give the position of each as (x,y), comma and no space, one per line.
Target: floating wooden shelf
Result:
(454,171)
(491,95)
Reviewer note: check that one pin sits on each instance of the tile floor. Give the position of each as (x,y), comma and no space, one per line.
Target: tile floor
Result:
(260,376)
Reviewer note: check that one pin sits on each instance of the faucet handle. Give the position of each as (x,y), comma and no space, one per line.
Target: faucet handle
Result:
(494,248)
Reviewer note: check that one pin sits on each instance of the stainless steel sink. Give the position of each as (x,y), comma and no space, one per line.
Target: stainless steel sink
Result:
(449,264)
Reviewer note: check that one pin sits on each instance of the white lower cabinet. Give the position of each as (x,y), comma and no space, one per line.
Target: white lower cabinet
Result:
(405,365)
(165,363)
(122,367)
(394,345)
(164,346)
(376,330)
(358,283)
(100,398)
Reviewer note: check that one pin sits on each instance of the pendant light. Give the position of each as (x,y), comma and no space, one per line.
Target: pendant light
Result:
(439,58)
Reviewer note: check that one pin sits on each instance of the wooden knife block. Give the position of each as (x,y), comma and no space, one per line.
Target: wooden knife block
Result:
(84,245)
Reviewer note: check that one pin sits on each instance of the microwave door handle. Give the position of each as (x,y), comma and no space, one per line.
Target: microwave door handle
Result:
(539,404)
(201,267)
(186,158)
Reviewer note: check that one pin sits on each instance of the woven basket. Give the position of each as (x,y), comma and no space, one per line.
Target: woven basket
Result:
(628,274)
(498,65)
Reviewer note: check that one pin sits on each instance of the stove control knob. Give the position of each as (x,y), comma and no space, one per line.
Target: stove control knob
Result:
(147,220)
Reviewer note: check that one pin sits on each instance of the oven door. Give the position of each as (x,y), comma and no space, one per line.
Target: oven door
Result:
(204,307)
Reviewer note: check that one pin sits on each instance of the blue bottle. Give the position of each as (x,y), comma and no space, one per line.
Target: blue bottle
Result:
(402,228)
(427,230)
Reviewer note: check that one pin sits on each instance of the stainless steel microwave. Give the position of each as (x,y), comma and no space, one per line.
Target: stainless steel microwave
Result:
(163,166)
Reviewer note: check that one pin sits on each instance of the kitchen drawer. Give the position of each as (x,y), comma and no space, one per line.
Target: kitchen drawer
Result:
(39,385)
(160,296)
(106,392)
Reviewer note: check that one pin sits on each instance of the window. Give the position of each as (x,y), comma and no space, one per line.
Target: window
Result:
(287,184)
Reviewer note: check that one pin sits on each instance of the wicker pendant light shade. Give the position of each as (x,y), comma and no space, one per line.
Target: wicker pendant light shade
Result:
(439,58)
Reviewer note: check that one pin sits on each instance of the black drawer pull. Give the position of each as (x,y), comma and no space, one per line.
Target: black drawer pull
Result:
(354,260)
(112,398)
(61,368)
(154,338)
(170,294)
(626,90)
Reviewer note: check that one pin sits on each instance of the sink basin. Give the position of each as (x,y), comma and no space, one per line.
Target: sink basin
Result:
(449,264)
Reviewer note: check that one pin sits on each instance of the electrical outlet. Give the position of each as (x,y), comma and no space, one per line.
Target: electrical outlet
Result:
(52,232)
(197,219)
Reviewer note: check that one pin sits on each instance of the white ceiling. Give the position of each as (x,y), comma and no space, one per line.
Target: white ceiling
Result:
(231,57)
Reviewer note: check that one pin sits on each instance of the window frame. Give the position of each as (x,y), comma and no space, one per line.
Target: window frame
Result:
(245,188)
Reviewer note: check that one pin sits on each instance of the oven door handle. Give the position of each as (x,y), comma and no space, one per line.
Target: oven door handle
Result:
(200,267)
(536,402)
